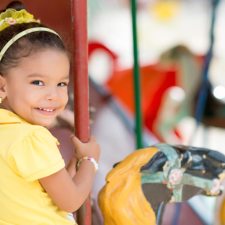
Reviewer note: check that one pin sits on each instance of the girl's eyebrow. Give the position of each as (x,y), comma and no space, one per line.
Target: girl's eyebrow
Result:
(36,75)
(67,77)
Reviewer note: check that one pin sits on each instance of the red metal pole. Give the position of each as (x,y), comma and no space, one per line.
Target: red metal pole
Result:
(81,87)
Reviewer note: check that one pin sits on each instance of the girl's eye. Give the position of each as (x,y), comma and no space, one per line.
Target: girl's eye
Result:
(62,84)
(37,82)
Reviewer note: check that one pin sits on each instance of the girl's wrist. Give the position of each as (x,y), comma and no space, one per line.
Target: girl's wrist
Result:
(87,158)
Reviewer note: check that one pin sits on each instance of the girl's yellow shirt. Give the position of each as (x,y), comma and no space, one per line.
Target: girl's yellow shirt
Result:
(27,153)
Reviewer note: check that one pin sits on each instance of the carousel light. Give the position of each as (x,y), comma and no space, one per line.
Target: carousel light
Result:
(219,92)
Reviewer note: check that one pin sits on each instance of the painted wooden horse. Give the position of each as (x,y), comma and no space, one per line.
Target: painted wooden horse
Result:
(137,188)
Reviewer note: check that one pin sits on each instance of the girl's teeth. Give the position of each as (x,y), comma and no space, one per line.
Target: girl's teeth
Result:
(47,110)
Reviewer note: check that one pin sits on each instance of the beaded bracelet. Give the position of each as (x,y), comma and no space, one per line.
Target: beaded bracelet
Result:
(91,159)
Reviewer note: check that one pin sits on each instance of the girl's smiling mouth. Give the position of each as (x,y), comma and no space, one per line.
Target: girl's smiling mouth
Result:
(46,111)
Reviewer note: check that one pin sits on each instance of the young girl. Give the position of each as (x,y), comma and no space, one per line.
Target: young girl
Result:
(35,186)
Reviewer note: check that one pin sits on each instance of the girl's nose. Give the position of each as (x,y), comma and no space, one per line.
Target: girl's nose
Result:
(52,94)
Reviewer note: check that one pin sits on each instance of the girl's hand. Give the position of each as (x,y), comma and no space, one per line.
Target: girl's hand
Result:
(90,148)
(69,194)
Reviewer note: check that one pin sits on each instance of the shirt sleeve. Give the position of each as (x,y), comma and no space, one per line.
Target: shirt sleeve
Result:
(37,155)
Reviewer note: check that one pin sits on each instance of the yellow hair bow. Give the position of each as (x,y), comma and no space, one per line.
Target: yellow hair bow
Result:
(12,16)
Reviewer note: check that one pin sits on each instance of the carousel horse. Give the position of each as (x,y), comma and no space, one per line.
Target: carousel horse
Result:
(138,187)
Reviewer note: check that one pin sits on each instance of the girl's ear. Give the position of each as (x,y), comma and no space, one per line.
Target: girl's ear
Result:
(3,92)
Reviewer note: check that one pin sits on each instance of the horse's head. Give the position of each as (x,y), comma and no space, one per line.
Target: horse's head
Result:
(158,175)
(177,173)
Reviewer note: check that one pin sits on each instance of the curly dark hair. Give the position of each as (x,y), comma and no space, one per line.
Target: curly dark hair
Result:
(26,45)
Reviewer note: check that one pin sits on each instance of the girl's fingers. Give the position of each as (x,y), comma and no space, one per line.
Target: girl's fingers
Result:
(91,148)
(76,141)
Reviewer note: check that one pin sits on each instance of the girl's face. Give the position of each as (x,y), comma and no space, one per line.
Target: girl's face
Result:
(37,89)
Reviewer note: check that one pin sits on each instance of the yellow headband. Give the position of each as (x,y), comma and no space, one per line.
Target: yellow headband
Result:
(11,17)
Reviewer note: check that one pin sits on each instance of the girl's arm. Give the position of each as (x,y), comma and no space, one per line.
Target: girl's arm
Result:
(67,192)
(71,167)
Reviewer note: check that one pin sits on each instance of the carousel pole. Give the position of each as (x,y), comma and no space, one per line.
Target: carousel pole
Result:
(136,77)
(201,101)
(81,87)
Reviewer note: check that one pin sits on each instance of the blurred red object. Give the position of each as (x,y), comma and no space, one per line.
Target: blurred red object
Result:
(155,80)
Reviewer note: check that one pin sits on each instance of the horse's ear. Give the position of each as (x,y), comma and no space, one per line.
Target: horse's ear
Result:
(116,164)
